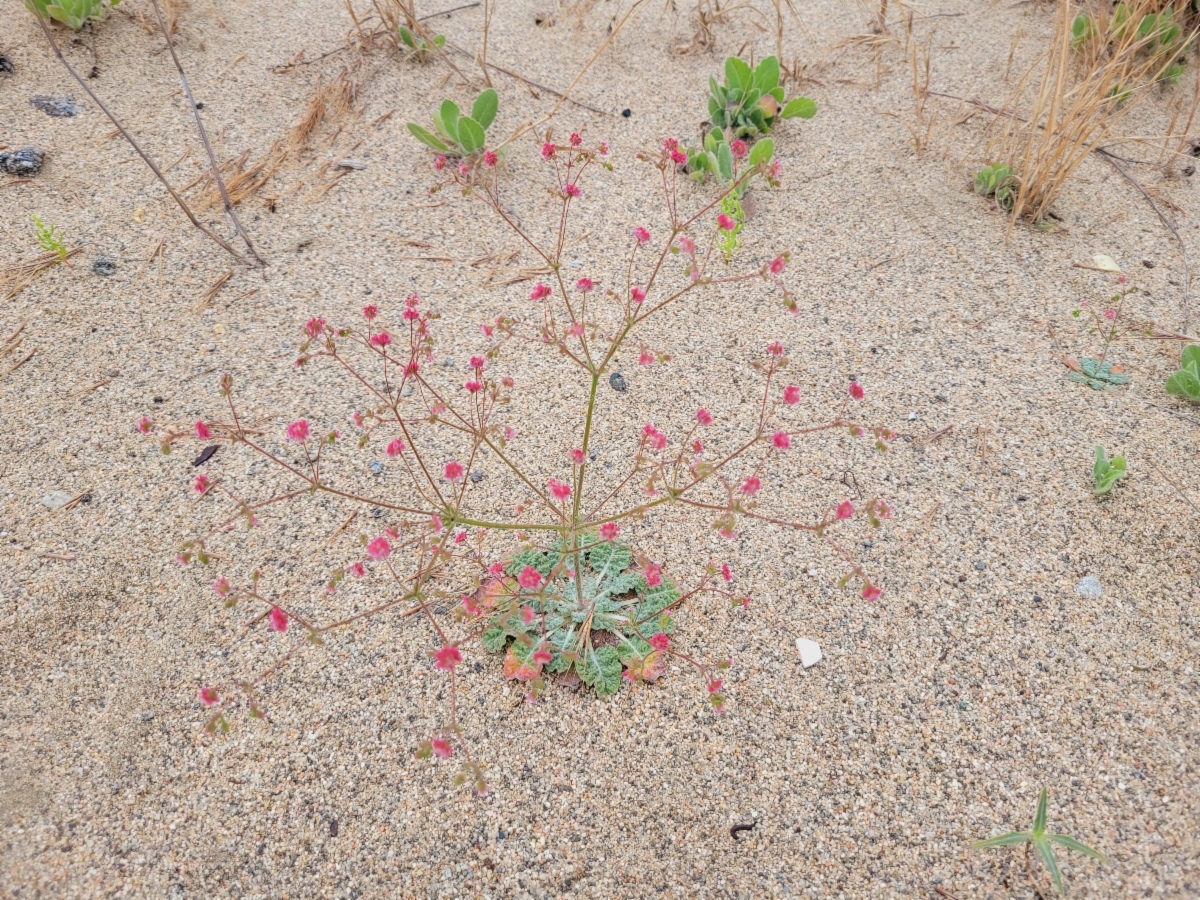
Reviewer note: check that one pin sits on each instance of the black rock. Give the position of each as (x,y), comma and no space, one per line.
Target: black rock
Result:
(617,381)
(24,163)
(56,107)
(205,455)
(627,113)
(477,476)
(6,66)
(104,266)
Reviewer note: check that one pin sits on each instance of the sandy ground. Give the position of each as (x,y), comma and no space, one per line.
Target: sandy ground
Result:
(936,714)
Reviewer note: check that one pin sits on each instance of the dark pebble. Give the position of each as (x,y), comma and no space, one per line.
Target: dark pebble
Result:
(627,113)
(199,106)
(86,498)
(24,163)
(1037,599)
(617,381)
(477,476)
(6,66)
(158,399)
(333,828)
(205,455)
(104,266)
(1149,263)
(57,107)
(500,835)
(376,467)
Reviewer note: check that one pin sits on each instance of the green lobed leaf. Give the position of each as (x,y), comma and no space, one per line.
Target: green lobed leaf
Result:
(799,108)
(494,638)
(762,152)
(470,135)
(485,107)
(602,671)
(1071,844)
(425,137)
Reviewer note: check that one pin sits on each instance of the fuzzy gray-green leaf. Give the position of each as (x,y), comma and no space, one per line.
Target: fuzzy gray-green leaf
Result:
(1003,840)
(1046,852)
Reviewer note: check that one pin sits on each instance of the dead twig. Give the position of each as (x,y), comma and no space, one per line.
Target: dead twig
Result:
(207,297)
(90,388)
(24,359)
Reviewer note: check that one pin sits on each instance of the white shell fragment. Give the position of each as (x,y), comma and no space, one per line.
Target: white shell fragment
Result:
(55,499)
(351,164)
(1089,586)
(1105,263)
(810,652)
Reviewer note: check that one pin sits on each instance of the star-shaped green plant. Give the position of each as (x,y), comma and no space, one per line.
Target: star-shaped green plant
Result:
(1097,375)
(1042,842)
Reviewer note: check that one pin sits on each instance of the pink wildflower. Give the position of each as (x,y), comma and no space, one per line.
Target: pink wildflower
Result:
(883,511)
(558,489)
(584,285)
(845,509)
(871,593)
(412,368)
(775,348)
(541,657)
(645,358)
(609,530)
(642,235)
(1110,314)
(726,573)
(490,158)
(604,148)
(439,163)
(738,148)
(778,264)
(382,339)
(638,294)
(791,395)
(208,696)
(222,586)
(575,139)
(575,330)
(529,578)
(697,446)
(411,314)
(653,574)
(548,150)
(279,619)
(202,483)
(395,448)
(144,425)
(473,386)
(463,169)
(659,641)
(379,549)
(441,748)
(540,292)
(496,569)
(202,431)
(686,244)
(448,657)
(314,326)
(1121,279)
(577,456)
(658,440)
(856,390)
(678,157)
(781,441)
(527,614)
(726,223)
(751,486)
(572,190)
(714,685)
(298,431)
(704,417)
(453,471)
(477,363)
(356,569)
(471,605)
(370,312)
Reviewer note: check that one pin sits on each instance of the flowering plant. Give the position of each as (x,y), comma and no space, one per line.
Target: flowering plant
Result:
(546,581)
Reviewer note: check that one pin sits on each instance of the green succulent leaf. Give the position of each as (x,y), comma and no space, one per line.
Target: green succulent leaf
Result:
(470,135)
(1071,844)
(725,161)
(406,36)
(449,114)
(1039,817)
(1100,466)
(425,137)
(766,75)
(737,73)
(1003,840)
(1046,852)
(799,108)
(439,40)
(485,107)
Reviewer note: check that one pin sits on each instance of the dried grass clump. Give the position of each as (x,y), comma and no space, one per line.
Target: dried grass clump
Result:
(1085,89)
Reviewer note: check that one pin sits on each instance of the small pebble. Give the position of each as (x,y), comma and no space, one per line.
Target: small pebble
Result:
(627,113)
(980,566)
(376,467)
(1089,586)
(617,381)
(146,716)
(477,476)
(56,107)
(810,652)
(104,266)
(24,163)
(6,66)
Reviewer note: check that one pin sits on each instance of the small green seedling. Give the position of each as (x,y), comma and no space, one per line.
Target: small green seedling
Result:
(1158,34)
(715,156)
(49,238)
(1106,471)
(751,100)
(459,135)
(419,47)
(1041,842)
(72,13)
(997,181)
(1186,382)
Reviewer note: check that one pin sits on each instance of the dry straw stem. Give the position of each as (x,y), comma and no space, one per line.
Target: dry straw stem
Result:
(137,148)
(1077,104)
(21,275)
(212,159)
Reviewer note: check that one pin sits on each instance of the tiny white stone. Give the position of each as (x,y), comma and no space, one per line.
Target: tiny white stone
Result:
(812,572)
(55,499)
(810,652)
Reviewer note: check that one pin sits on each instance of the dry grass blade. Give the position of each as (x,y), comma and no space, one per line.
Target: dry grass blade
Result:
(20,362)
(1082,93)
(203,301)
(330,102)
(21,275)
